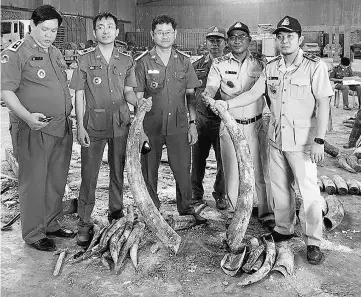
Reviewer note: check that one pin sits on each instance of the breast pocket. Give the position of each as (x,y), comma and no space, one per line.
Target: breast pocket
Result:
(202,77)
(300,88)
(39,70)
(180,78)
(182,117)
(97,120)
(273,88)
(155,83)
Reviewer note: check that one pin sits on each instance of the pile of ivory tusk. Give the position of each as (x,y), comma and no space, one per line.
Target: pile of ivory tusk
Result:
(258,259)
(112,243)
(337,185)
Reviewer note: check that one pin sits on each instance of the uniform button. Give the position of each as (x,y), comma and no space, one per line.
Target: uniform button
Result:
(283,114)
(110,79)
(283,102)
(169,113)
(111,91)
(283,127)
(284,90)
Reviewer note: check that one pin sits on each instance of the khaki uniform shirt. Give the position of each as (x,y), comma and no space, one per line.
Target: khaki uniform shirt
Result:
(339,72)
(39,81)
(167,85)
(107,113)
(202,67)
(235,77)
(293,93)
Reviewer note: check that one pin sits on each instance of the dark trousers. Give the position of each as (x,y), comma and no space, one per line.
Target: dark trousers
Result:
(345,90)
(13,129)
(91,158)
(208,135)
(356,129)
(43,169)
(179,158)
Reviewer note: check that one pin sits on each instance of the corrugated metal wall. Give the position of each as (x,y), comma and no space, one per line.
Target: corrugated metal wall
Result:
(205,13)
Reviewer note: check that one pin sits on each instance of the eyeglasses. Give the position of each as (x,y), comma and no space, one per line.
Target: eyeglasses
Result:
(286,36)
(102,28)
(215,40)
(234,38)
(164,34)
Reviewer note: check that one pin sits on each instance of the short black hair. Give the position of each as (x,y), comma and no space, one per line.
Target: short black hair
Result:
(345,61)
(44,13)
(105,15)
(163,19)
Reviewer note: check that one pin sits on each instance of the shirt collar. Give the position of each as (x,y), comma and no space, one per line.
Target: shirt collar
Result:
(31,41)
(232,57)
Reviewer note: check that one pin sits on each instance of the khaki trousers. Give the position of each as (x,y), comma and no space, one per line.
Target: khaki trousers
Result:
(286,167)
(258,145)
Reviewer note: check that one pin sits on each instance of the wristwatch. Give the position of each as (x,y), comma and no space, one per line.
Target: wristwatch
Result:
(192,122)
(319,140)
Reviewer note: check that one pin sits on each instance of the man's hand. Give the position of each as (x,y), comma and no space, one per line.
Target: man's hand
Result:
(145,104)
(83,137)
(34,121)
(192,134)
(317,153)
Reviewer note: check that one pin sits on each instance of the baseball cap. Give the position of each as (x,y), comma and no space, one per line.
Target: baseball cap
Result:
(238,26)
(289,24)
(216,31)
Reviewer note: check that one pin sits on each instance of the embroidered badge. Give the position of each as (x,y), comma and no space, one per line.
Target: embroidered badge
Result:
(286,22)
(97,80)
(41,73)
(153,71)
(238,25)
(273,89)
(4,59)
(230,84)
(97,67)
(153,85)
(215,29)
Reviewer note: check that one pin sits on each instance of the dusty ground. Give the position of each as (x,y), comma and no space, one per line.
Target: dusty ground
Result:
(195,270)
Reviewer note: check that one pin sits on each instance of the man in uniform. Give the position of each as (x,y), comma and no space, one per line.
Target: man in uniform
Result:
(299,90)
(34,87)
(168,76)
(208,123)
(234,74)
(106,76)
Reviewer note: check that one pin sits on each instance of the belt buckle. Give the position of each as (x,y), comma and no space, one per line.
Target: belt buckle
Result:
(244,121)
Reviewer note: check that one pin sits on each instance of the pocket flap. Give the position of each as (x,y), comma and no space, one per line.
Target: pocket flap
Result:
(303,123)
(299,81)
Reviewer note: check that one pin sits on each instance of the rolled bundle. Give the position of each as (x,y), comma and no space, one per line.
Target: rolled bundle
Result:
(353,188)
(335,213)
(341,186)
(330,187)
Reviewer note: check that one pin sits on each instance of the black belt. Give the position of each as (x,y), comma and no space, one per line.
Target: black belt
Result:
(249,121)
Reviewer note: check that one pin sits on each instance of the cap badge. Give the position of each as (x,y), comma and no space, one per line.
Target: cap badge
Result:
(286,22)
(215,29)
(238,25)
(97,80)
(41,73)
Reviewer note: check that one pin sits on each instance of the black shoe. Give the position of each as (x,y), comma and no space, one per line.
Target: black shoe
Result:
(277,237)
(83,238)
(200,220)
(221,203)
(314,255)
(346,107)
(115,215)
(268,224)
(62,232)
(44,244)
(255,212)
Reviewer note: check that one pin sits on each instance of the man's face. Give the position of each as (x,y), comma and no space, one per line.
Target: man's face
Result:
(105,31)
(44,33)
(288,42)
(215,45)
(238,41)
(164,35)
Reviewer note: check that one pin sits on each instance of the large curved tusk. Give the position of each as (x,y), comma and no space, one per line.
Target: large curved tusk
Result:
(240,221)
(151,215)
(231,263)
(252,258)
(335,213)
(266,267)
(285,262)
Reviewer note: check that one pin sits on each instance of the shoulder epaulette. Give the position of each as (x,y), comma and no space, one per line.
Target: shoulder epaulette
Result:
(86,51)
(123,52)
(221,59)
(259,57)
(15,46)
(141,55)
(311,57)
(274,59)
(182,53)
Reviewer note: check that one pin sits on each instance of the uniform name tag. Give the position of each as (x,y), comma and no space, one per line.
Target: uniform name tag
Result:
(231,72)
(273,78)
(36,58)
(95,67)
(155,71)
